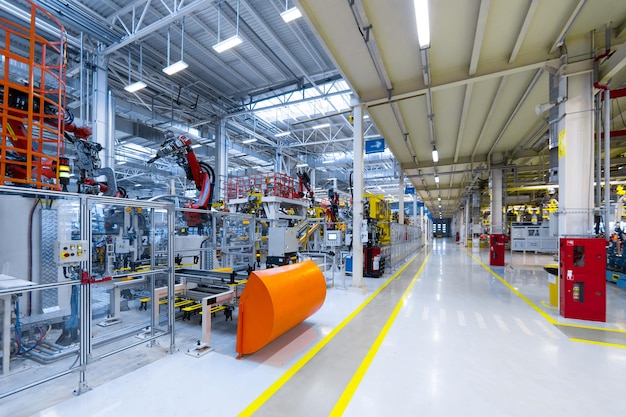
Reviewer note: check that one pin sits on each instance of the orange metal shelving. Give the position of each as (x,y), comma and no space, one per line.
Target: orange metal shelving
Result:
(32,96)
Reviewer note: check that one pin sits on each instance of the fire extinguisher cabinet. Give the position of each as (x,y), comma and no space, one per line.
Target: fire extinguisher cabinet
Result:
(582,281)
(496,249)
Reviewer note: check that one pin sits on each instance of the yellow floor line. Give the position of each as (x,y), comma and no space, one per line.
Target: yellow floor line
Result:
(345,398)
(272,389)
(550,319)
(595,342)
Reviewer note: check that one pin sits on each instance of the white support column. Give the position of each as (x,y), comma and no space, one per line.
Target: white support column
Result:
(467,236)
(496,201)
(575,152)
(415,210)
(357,245)
(401,200)
(103,133)
(221,157)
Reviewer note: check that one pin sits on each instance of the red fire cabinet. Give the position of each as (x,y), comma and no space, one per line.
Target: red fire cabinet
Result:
(496,249)
(582,281)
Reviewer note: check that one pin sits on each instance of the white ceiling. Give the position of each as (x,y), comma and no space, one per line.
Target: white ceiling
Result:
(487,66)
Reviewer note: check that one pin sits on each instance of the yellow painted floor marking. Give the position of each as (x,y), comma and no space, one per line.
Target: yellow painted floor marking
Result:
(546,316)
(272,389)
(345,398)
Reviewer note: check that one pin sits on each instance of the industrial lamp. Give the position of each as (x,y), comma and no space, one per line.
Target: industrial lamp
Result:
(137,85)
(423,23)
(436,179)
(290,14)
(228,43)
(180,65)
(435,154)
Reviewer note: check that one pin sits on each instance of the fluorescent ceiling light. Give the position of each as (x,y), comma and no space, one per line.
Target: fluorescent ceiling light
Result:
(321,126)
(120,162)
(196,146)
(251,140)
(437,179)
(227,44)
(175,67)
(137,185)
(328,162)
(302,165)
(291,14)
(136,86)
(281,134)
(435,155)
(423,23)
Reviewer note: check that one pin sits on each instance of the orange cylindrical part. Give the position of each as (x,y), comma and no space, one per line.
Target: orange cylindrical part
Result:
(276,300)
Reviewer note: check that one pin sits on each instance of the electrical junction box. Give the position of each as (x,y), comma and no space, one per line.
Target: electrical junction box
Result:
(71,251)
(122,245)
(281,240)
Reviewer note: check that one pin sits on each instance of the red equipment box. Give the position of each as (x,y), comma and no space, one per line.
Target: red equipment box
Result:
(582,281)
(496,249)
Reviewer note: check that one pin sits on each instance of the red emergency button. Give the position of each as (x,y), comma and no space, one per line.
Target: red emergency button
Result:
(65,254)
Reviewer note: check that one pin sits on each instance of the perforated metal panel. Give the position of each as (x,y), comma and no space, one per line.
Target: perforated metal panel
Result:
(49,269)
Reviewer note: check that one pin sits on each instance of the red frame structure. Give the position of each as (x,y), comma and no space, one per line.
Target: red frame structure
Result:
(31,115)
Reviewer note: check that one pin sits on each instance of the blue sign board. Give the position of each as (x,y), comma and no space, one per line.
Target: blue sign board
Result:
(409,190)
(375,146)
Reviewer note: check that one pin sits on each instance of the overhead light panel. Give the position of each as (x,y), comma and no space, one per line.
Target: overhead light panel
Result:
(321,126)
(290,14)
(250,140)
(196,146)
(281,134)
(423,23)
(137,85)
(226,44)
(437,179)
(231,42)
(302,165)
(180,65)
(328,161)
(175,67)
(435,154)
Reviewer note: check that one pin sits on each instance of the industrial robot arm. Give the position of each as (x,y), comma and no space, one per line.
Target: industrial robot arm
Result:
(179,147)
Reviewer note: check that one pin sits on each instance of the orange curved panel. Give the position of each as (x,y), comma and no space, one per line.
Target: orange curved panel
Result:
(275,300)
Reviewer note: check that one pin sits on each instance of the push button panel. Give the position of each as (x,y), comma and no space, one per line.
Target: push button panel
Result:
(71,251)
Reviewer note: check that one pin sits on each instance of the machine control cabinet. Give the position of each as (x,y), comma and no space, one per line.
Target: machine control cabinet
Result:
(496,249)
(582,283)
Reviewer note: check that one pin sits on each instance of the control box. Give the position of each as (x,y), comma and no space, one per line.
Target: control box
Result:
(71,251)
(333,238)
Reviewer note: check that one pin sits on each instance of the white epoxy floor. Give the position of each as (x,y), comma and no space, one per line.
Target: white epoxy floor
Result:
(462,343)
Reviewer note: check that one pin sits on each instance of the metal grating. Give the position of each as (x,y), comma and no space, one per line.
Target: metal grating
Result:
(49,269)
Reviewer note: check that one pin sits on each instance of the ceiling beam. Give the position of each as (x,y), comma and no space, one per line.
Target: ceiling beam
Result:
(481,24)
(532,8)
(570,22)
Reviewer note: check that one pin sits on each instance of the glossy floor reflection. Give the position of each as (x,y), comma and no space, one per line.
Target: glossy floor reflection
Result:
(446,336)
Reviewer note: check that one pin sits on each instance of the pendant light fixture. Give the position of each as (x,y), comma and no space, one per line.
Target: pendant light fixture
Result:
(228,43)
(290,14)
(137,85)
(180,65)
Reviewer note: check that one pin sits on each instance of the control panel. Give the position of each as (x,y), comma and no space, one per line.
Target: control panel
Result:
(332,238)
(71,251)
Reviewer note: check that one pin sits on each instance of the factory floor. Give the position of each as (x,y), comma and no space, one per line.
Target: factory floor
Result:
(444,336)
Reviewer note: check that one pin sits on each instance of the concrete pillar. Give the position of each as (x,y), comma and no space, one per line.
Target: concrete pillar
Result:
(401,199)
(357,210)
(468,233)
(496,200)
(221,160)
(575,156)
